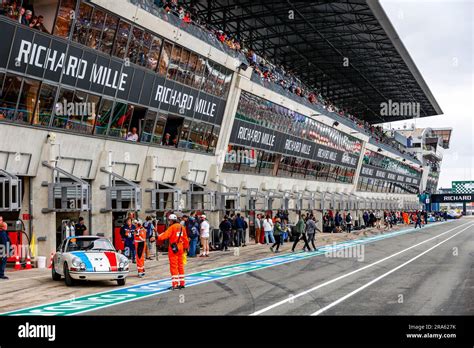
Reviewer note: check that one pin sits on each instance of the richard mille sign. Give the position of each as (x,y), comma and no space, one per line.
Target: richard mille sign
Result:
(255,136)
(46,57)
(452,198)
(53,60)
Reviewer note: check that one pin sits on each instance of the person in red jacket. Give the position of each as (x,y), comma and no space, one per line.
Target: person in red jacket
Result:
(178,244)
(140,239)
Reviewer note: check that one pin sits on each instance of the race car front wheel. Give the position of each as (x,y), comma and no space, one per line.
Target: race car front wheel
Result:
(54,274)
(121,282)
(67,277)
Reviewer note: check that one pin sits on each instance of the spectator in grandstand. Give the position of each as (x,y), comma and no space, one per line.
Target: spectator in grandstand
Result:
(21,15)
(175,141)
(171,6)
(39,25)
(132,136)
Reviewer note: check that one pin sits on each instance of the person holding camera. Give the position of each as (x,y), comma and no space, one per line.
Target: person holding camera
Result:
(178,245)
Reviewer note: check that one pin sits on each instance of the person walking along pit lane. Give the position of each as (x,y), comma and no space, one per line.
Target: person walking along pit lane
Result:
(4,243)
(417,218)
(300,234)
(178,245)
(311,229)
(277,234)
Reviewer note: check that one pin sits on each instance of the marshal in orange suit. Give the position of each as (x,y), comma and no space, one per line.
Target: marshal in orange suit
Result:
(176,234)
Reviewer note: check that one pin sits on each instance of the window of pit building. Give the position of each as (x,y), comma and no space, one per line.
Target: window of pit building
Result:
(76,111)
(30,109)
(127,120)
(199,75)
(9,96)
(191,68)
(44,109)
(183,71)
(148,126)
(159,129)
(243,159)
(27,101)
(123,34)
(103,116)
(184,132)
(165,58)
(83,23)
(96,27)
(201,137)
(174,62)
(154,54)
(60,118)
(172,130)
(64,18)
(136,48)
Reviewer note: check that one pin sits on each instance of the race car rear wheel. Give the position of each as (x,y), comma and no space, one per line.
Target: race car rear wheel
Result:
(67,277)
(54,274)
(121,282)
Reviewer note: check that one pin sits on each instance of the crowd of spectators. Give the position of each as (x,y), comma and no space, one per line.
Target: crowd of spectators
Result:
(278,74)
(24,16)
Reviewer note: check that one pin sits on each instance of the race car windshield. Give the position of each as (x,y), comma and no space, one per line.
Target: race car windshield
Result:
(89,245)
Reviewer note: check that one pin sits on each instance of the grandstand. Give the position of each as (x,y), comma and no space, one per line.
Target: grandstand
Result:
(173,90)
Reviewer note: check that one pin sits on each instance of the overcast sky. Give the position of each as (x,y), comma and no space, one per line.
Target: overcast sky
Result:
(438,34)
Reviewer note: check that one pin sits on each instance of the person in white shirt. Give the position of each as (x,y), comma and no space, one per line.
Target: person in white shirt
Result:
(268,229)
(133,135)
(204,229)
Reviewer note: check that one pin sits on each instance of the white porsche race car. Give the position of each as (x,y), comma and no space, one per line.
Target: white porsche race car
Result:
(89,258)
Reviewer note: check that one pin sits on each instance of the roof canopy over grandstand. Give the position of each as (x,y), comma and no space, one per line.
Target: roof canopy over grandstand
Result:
(313,38)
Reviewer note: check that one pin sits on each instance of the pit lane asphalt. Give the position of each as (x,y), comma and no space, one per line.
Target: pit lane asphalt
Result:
(440,282)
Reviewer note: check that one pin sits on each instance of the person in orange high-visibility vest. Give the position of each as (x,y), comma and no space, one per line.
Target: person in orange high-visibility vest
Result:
(178,244)
(140,239)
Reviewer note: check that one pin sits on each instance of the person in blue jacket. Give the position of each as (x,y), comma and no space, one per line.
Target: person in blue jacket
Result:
(127,232)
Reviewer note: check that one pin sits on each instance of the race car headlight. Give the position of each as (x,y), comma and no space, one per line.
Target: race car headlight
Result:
(76,262)
(123,261)
(83,266)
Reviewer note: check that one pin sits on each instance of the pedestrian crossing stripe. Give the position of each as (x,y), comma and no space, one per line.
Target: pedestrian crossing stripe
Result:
(122,295)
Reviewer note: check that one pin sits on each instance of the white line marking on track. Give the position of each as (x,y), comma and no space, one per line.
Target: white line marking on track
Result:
(287,300)
(386,274)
